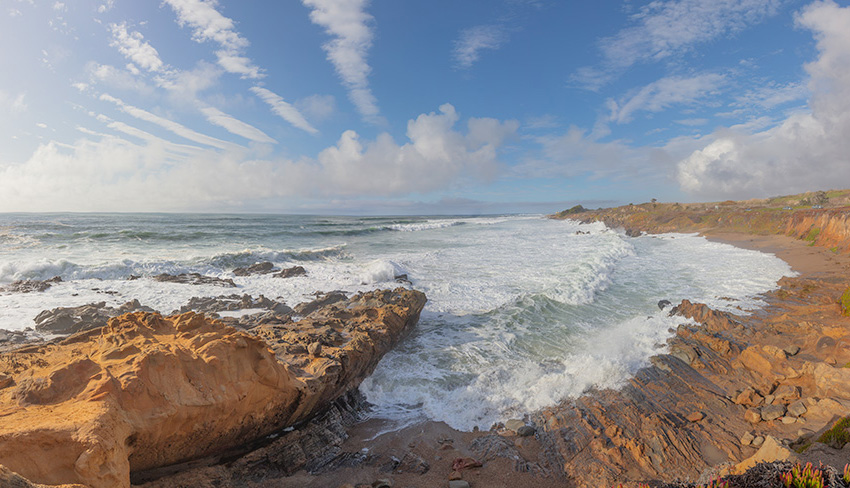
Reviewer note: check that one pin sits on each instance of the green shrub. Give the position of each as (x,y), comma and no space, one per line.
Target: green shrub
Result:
(813,234)
(845,303)
(838,435)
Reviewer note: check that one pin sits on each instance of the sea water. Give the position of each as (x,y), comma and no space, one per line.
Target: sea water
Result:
(522,311)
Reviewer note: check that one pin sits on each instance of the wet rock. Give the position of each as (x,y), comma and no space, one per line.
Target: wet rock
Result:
(233,302)
(323,301)
(265,267)
(526,431)
(291,272)
(662,304)
(69,320)
(194,279)
(28,286)
(12,337)
(514,424)
(772,412)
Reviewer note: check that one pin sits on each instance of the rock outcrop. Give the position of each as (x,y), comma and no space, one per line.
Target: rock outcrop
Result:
(194,279)
(148,391)
(28,286)
(69,320)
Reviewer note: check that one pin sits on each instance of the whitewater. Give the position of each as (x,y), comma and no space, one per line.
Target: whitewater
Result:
(522,311)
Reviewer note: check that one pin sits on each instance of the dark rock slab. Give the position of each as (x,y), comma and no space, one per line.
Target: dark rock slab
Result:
(265,267)
(291,272)
(194,279)
(323,300)
(69,320)
(28,286)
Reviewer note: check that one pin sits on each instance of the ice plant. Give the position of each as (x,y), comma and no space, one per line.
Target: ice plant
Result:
(803,477)
(847,473)
(716,483)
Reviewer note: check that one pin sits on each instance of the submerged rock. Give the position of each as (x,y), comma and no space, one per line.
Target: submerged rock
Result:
(265,267)
(147,391)
(291,272)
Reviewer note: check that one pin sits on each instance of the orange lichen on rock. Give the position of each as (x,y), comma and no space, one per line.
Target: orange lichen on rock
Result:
(148,391)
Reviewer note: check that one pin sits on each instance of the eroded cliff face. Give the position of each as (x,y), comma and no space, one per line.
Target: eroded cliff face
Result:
(148,391)
(828,227)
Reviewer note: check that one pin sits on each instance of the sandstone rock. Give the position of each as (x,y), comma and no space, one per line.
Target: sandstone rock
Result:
(695,416)
(291,272)
(771,450)
(514,424)
(194,279)
(752,415)
(832,381)
(148,391)
(747,438)
(772,412)
(792,350)
(9,479)
(758,441)
(797,409)
(455,475)
(786,393)
(28,286)
(748,397)
(774,352)
(258,268)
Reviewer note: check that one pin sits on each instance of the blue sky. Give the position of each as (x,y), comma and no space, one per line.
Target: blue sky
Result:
(392,107)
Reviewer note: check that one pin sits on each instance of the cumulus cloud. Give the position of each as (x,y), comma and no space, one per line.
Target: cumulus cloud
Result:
(235,126)
(105,172)
(665,28)
(809,149)
(475,39)
(133,46)
(285,110)
(348,23)
(663,93)
(208,25)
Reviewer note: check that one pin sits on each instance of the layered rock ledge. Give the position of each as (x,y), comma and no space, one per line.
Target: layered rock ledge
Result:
(147,391)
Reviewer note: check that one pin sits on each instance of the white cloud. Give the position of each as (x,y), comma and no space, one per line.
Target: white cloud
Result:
(809,149)
(665,28)
(317,107)
(106,6)
(41,125)
(13,12)
(285,110)
(663,93)
(133,46)
(209,25)
(167,124)
(104,172)
(473,40)
(770,95)
(116,78)
(184,85)
(348,22)
(15,104)
(235,126)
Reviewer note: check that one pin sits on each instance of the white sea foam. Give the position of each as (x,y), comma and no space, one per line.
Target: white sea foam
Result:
(522,311)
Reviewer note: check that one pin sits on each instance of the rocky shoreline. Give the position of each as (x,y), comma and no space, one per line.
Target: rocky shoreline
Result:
(739,396)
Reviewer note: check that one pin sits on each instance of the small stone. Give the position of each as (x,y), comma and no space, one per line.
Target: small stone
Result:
(787,393)
(792,350)
(772,412)
(747,438)
(458,484)
(455,475)
(797,408)
(384,483)
(525,431)
(695,416)
(514,424)
(748,397)
(788,420)
(768,399)
(5,380)
(752,415)
(315,349)
(758,441)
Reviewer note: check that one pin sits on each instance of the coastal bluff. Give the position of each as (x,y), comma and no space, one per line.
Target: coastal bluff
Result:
(147,391)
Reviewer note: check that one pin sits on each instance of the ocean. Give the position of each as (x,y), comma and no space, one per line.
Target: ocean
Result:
(522,311)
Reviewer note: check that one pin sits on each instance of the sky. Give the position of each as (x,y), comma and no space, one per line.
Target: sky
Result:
(402,107)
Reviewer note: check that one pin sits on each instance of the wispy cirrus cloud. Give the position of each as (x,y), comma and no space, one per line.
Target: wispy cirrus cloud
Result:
(284,109)
(133,46)
(476,39)
(235,126)
(662,29)
(169,125)
(208,25)
(349,25)
(663,93)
